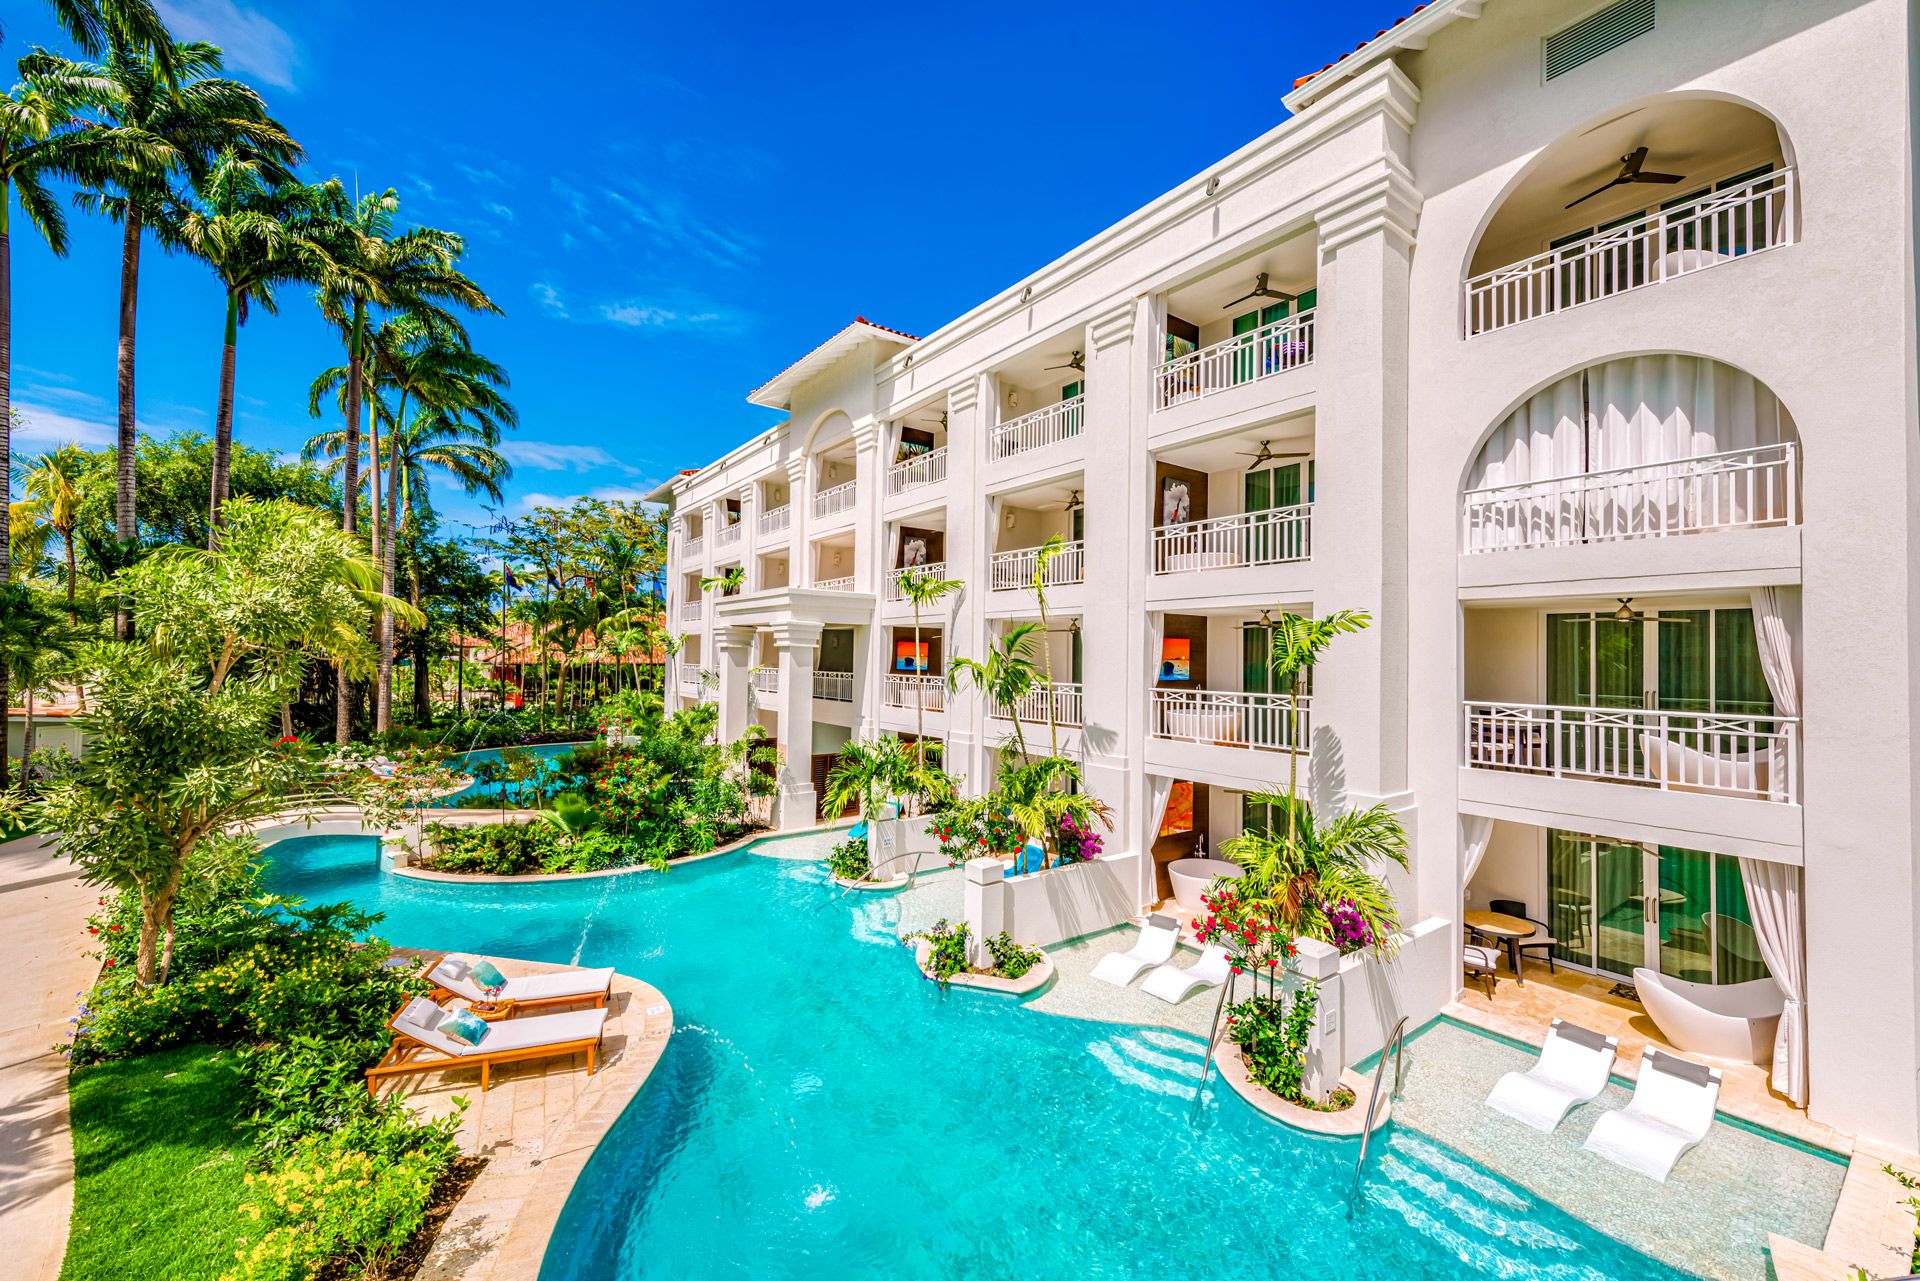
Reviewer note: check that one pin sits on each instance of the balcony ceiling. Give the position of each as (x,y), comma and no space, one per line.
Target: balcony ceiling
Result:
(1289,266)
(1701,138)
(1231,452)
(1046,494)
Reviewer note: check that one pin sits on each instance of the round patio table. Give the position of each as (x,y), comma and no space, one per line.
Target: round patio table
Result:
(1504,929)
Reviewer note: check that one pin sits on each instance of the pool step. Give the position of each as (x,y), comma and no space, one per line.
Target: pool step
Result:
(1150,1059)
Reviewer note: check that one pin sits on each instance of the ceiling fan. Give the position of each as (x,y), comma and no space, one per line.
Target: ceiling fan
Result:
(1266,455)
(1073,503)
(1628,614)
(1077,361)
(1260,290)
(1631,172)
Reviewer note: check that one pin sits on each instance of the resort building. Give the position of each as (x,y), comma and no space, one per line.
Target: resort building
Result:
(1511,335)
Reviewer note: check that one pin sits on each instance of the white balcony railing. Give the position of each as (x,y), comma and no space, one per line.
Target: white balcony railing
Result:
(929,691)
(1244,358)
(927,469)
(834,585)
(1727,755)
(776,520)
(1069,705)
(1040,428)
(690,612)
(834,687)
(831,502)
(1734,489)
(1010,570)
(937,570)
(1230,542)
(766,680)
(1753,216)
(728,535)
(692,548)
(690,686)
(1231,719)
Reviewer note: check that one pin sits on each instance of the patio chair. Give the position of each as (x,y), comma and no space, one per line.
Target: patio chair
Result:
(420,1044)
(1573,1068)
(1541,940)
(1158,937)
(1173,985)
(1671,1111)
(452,976)
(1481,963)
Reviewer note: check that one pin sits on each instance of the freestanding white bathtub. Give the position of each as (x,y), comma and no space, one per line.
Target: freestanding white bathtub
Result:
(1191,878)
(1731,1021)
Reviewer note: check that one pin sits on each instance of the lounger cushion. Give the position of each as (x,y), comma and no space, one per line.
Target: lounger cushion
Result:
(464,1026)
(488,976)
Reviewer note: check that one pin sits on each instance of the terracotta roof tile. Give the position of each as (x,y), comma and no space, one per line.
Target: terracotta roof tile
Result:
(1363,44)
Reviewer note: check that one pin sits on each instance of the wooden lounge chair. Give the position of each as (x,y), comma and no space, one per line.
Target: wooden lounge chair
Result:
(418,1045)
(452,976)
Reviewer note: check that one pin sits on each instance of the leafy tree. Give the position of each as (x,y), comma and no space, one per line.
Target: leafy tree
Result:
(923,590)
(1004,677)
(90,24)
(57,481)
(1040,795)
(36,643)
(1311,868)
(174,475)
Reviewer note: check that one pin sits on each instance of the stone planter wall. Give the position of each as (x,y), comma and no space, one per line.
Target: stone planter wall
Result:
(1042,908)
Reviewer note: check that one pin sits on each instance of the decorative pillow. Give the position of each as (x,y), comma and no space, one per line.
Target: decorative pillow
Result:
(423,1012)
(464,1026)
(488,976)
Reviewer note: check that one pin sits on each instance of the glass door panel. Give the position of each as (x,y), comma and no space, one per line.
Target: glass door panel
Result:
(1686,660)
(1736,952)
(1619,907)
(1570,897)
(1685,888)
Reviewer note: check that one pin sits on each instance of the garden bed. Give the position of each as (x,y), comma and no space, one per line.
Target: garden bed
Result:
(1345,1122)
(898,881)
(1026,985)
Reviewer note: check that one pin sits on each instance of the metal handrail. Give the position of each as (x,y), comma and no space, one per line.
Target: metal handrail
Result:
(1396,1048)
(1226,993)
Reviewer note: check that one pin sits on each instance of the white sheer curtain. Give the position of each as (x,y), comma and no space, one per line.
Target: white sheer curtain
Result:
(1159,792)
(1476,830)
(1772,630)
(1773,900)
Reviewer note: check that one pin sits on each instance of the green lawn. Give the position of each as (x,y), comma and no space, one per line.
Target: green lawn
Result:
(158,1165)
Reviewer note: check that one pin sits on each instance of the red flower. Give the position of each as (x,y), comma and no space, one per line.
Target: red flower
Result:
(93,929)
(109,964)
(287,738)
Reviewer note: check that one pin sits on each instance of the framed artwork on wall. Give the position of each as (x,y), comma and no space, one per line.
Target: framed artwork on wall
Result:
(909,656)
(1176,659)
(1176,501)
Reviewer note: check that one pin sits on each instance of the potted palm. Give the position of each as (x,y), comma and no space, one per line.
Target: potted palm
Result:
(867,774)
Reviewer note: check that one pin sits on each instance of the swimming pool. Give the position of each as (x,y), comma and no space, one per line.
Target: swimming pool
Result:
(821,1111)
(462,763)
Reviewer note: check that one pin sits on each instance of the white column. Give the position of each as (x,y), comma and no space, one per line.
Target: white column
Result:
(986,906)
(1115,590)
(800,515)
(735,645)
(867,548)
(796,645)
(969,415)
(749,537)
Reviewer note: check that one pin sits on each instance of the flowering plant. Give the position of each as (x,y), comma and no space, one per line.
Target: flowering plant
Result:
(1244,927)
(971,829)
(1076,843)
(1347,929)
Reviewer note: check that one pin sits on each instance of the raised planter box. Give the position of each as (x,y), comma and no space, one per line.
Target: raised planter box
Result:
(1043,908)
(1026,985)
(898,881)
(1345,1123)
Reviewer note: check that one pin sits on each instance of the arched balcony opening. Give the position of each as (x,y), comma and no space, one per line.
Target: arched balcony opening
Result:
(1669,188)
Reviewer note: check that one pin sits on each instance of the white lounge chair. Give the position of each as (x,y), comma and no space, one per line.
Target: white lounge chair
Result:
(420,1046)
(453,975)
(1672,1109)
(1573,1068)
(1158,937)
(1173,985)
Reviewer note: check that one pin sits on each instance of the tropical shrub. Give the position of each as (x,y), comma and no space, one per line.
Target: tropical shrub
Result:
(1011,960)
(1272,1033)
(974,826)
(848,861)
(947,949)
(1077,843)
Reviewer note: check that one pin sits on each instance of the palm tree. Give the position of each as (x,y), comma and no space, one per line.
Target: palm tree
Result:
(923,589)
(1004,676)
(1298,642)
(727,580)
(1040,795)
(57,481)
(35,643)
(868,772)
(1042,558)
(92,24)
(256,234)
(175,118)
(1315,866)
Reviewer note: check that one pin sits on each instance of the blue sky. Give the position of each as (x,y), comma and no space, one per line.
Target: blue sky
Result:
(672,202)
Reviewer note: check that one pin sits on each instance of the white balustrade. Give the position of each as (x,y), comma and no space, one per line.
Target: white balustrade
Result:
(1069,705)
(1231,718)
(831,502)
(925,469)
(766,680)
(1744,219)
(690,612)
(834,687)
(1729,755)
(1010,570)
(729,534)
(776,520)
(1229,542)
(1040,428)
(1244,358)
(938,570)
(928,693)
(690,686)
(1733,489)
(834,585)
(692,548)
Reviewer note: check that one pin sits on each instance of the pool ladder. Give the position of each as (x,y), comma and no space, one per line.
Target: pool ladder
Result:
(1396,1049)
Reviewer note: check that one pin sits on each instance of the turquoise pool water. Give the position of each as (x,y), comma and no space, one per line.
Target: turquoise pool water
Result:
(822,1111)
(463,761)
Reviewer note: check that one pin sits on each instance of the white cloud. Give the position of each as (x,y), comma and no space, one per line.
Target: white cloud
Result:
(44,427)
(544,455)
(550,300)
(605,493)
(497,209)
(638,314)
(252,42)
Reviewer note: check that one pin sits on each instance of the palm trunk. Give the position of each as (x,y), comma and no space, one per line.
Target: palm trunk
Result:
(26,743)
(128,442)
(350,462)
(6,426)
(1046,656)
(422,708)
(66,537)
(919,697)
(223,425)
(383,706)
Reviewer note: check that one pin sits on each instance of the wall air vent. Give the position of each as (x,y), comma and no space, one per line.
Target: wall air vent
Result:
(1595,34)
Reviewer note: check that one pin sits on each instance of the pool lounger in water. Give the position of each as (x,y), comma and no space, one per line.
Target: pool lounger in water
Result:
(1671,1111)
(1158,937)
(1572,1069)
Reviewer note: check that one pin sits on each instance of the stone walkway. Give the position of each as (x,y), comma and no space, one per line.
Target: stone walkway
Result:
(45,908)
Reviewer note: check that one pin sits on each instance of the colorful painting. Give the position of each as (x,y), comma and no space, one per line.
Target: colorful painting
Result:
(909,656)
(1176,659)
(1179,816)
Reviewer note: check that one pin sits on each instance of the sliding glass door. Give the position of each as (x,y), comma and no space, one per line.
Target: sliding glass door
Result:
(1615,907)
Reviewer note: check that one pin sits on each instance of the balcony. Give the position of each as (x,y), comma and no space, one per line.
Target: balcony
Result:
(894,592)
(1272,349)
(728,535)
(1734,489)
(1226,718)
(690,612)
(776,520)
(1069,705)
(1271,537)
(924,693)
(690,686)
(1739,219)
(927,469)
(832,502)
(1040,428)
(835,584)
(834,687)
(693,548)
(1754,757)
(766,680)
(1013,570)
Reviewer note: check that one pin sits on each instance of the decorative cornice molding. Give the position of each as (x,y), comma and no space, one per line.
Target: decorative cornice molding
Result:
(796,635)
(866,432)
(1386,202)
(1111,327)
(963,396)
(733,640)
